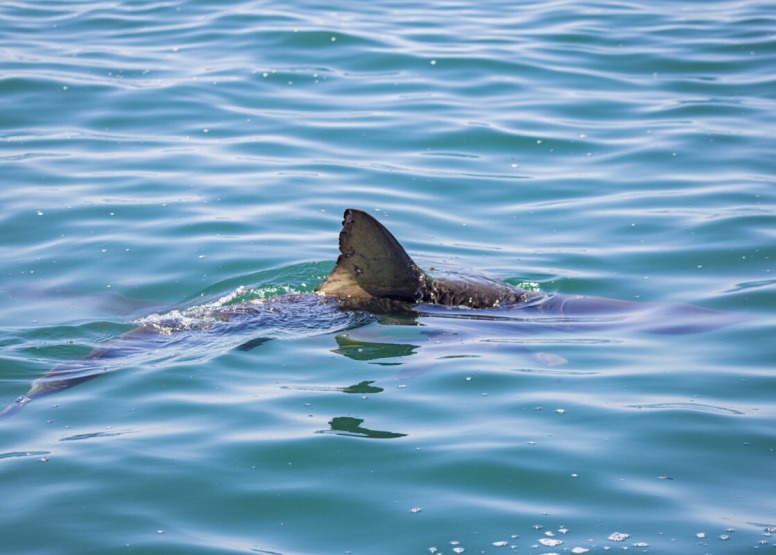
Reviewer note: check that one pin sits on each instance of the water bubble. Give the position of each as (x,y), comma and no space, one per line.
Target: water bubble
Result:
(550,542)
(618,537)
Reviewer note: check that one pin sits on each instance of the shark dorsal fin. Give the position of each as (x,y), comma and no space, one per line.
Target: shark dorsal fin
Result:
(372,263)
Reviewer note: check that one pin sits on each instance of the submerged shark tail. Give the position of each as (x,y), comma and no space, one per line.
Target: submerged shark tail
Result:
(15,407)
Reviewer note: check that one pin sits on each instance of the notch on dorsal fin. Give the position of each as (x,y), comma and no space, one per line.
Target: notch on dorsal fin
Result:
(372,263)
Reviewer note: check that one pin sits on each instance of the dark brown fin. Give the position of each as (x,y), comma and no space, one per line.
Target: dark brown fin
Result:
(372,264)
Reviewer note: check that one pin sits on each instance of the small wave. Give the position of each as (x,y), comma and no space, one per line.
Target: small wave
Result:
(15,454)
(555,372)
(553,341)
(743,286)
(95,435)
(688,406)
(450,154)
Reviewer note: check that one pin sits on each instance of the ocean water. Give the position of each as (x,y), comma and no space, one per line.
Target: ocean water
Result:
(161,156)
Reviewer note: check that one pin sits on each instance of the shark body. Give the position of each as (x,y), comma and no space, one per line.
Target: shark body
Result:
(375,276)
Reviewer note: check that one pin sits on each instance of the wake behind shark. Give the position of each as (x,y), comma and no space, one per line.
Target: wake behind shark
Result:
(375,277)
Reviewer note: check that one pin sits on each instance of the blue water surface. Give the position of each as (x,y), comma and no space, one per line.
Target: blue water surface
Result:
(162,156)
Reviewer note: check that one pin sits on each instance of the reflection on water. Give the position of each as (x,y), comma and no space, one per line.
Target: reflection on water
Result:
(349,426)
(363,388)
(365,350)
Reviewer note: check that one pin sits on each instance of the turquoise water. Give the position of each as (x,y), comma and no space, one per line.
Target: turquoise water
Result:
(157,156)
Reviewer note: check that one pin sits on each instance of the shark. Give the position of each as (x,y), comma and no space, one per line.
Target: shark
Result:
(374,278)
